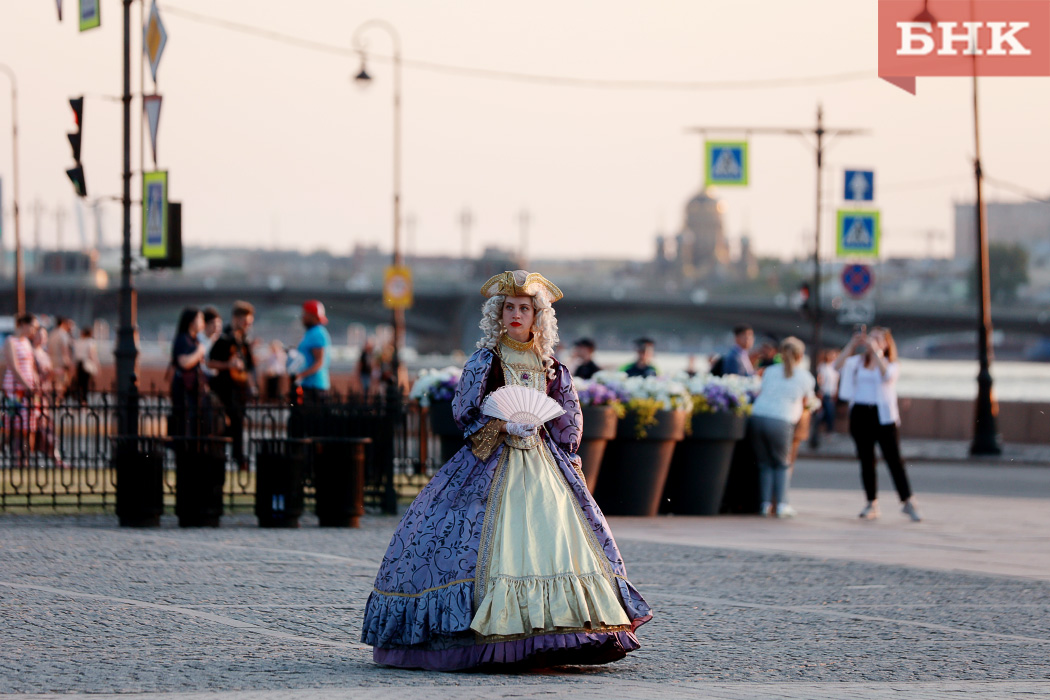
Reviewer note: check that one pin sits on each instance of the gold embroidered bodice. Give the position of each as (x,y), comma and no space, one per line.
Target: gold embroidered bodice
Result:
(521,365)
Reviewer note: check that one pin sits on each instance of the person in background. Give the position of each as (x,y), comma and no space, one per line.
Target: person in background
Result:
(690,367)
(869,369)
(774,415)
(189,383)
(232,361)
(60,348)
(736,360)
(85,354)
(366,369)
(828,392)
(316,349)
(643,364)
(274,367)
(47,397)
(583,356)
(21,385)
(765,356)
(209,333)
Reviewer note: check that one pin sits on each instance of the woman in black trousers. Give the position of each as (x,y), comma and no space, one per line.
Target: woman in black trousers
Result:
(869,372)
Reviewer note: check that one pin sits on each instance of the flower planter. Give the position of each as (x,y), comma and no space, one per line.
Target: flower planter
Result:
(444,426)
(634,470)
(599,427)
(700,467)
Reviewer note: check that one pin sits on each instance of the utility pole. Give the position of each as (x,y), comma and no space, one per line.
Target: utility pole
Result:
(20,284)
(820,135)
(60,225)
(524,219)
(466,222)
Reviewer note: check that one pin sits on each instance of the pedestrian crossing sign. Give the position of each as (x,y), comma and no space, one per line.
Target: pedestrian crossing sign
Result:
(858,234)
(725,163)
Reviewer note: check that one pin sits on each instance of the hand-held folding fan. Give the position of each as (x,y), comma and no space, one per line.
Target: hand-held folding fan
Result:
(520,404)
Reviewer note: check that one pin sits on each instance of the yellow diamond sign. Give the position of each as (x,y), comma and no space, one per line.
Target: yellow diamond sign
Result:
(154,38)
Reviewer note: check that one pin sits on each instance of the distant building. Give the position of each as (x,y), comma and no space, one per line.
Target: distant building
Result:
(702,246)
(1025,223)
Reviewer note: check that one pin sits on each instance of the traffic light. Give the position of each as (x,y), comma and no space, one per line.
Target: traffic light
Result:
(76,173)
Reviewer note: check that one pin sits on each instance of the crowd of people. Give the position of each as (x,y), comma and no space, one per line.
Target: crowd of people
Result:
(861,377)
(41,367)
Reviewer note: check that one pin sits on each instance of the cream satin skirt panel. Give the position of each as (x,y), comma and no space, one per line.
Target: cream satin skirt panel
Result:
(543,573)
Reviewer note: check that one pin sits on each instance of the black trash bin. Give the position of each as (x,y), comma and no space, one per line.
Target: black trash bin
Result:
(339,480)
(139,463)
(200,473)
(280,467)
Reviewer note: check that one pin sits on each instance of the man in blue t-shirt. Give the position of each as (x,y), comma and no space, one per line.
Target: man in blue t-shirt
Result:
(315,348)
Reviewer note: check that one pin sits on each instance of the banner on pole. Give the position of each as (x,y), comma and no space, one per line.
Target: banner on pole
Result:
(151,105)
(90,14)
(155,214)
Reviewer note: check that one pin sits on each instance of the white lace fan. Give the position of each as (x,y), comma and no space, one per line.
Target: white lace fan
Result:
(520,404)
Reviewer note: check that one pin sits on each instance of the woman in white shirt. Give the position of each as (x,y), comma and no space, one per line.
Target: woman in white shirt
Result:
(869,382)
(776,411)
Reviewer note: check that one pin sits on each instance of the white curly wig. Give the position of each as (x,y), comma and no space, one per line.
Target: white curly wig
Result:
(544,328)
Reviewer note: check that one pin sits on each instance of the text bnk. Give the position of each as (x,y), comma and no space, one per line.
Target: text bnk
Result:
(917,38)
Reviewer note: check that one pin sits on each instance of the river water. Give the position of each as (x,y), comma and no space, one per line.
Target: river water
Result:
(941,379)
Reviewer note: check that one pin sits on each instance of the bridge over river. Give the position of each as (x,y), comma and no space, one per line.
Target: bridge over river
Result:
(445,319)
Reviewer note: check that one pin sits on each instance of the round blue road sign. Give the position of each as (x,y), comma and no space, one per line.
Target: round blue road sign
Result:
(857,279)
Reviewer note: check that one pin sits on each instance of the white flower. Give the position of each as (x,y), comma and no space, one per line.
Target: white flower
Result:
(430,379)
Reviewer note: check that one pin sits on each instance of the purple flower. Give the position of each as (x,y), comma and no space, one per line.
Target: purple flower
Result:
(595,394)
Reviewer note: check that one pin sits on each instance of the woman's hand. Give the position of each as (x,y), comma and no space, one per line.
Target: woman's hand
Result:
(522,430)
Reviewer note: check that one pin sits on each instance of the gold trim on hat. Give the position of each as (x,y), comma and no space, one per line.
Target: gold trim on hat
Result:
(506,284)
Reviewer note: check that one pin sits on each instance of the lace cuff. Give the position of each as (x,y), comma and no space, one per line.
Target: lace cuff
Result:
(485,440)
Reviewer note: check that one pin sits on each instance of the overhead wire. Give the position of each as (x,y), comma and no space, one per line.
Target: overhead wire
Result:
(511,76)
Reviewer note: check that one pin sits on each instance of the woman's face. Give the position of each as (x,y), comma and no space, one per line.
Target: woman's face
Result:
(878,339)
(518,314)
(197,325)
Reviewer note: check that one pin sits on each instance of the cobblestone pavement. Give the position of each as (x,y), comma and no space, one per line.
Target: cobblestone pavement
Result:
(89,608)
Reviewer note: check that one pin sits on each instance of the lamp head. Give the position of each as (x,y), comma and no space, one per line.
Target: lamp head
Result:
(363,78)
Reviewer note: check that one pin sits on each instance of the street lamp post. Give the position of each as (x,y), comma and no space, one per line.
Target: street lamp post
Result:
(394,395)
(127,350)
(364,78)
(986,439)
(20,283)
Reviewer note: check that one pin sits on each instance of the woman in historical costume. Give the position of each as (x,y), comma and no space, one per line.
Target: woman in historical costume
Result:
(504,559)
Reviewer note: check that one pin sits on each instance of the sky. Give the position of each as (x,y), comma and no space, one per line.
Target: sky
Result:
(274,145)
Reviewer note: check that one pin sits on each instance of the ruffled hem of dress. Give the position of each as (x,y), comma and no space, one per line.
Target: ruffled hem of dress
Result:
(409,620)
(637,609)
(514,606)
(541,651)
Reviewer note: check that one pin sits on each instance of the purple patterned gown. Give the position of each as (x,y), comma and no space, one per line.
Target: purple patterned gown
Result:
(460,588)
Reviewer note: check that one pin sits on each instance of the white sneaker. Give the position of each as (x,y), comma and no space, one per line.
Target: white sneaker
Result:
(766,509)
(870,512)
(784,510)
(911,511)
